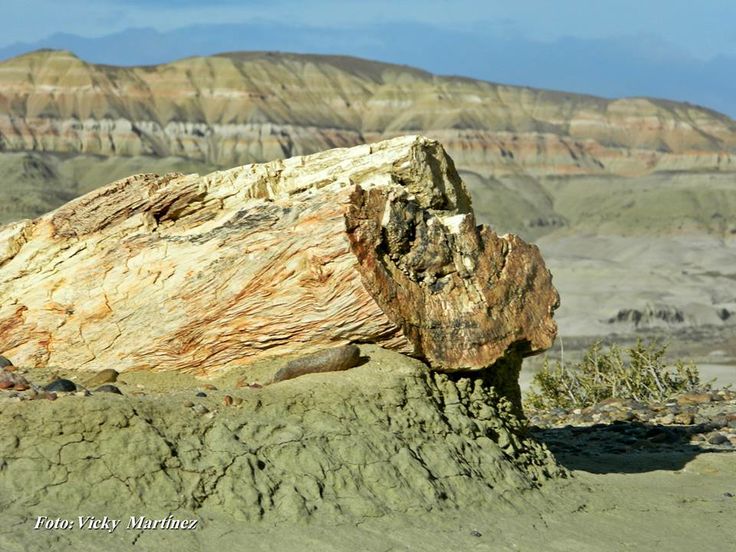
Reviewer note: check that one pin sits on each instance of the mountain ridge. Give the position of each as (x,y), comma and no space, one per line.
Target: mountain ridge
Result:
(235,108)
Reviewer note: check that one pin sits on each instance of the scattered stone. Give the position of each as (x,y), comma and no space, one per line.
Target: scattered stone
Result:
(201,394)
(718,439)
(21,386)
(475,533)
(328,360)
(200,409)
(50,396)
(702,423)
(61,385)
(255,385)
(5,362)
(108,375)
(209,387)
(237,401)
(107,388)
(684,418)
(9,380)
(227,400)
(694,398)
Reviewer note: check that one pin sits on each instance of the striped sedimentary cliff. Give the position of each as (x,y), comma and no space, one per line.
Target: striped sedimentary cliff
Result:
(238,108)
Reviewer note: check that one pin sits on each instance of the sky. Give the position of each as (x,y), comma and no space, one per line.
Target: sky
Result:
(667,48)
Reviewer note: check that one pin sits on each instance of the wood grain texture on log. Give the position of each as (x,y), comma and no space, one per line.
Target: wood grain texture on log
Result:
(192,273)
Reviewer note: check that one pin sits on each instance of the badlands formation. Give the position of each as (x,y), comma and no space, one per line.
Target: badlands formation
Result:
(630,200)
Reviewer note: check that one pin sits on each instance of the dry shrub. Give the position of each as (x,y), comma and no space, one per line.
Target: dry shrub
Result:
(604,373)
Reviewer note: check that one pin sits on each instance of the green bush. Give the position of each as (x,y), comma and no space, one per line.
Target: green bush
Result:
(602,374)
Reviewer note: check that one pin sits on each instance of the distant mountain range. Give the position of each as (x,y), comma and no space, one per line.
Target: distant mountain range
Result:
(615,67)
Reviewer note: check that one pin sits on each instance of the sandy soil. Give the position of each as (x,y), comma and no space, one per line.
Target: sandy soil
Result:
(682,285)
(670,502)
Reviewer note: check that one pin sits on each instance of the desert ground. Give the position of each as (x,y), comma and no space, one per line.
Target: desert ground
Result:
(674,495)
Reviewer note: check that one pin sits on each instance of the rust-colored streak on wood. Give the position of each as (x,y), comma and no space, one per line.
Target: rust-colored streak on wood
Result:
(11,328)
(197,274)
(462,295)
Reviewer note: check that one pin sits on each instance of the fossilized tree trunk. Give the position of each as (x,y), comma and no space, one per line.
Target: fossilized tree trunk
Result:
(375,243)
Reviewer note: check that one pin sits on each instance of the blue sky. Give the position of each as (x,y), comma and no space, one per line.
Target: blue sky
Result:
(703,29)
(668,48)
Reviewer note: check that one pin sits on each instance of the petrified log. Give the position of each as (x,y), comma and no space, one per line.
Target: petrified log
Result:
(192,273)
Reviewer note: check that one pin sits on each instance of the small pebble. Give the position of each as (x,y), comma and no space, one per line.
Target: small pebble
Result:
(694,398)
(209,387)
(200,409)
(108,375)
(61,385)
(188,404)
(50,396)
(4,362)
(21,387)
(475,533)
(718,439)
(237,401)
(201,394)
(107,388)
(227,400)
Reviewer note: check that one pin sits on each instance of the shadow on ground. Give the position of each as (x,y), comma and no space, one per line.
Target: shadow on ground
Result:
(624,447)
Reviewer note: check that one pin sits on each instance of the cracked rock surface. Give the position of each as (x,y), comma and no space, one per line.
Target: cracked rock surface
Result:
(380,439)
(334,444)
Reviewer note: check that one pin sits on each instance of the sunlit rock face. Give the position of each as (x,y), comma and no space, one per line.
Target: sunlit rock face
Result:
(376,243)
(238,108)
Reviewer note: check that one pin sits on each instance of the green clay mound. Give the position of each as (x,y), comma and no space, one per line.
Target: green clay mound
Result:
(383,438)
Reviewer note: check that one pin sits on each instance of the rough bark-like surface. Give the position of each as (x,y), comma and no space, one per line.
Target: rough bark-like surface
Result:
(187,273)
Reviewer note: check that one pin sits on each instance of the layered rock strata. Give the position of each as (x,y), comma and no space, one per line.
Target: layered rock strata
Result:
(257,106)
(194,274)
